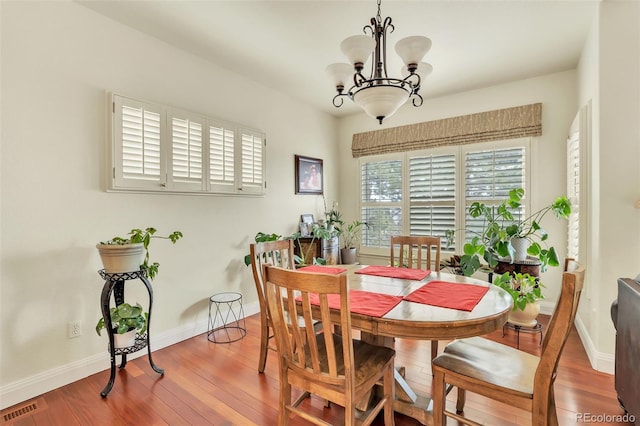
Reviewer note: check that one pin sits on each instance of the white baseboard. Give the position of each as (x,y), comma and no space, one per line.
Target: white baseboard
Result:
(31,387)
(602,362)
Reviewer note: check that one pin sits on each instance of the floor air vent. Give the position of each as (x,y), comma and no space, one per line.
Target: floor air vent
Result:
(16,413)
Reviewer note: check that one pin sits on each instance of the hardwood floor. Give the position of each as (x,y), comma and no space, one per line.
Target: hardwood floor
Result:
(218,384)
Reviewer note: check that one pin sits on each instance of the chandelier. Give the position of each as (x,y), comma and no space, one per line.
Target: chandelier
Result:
(379,95)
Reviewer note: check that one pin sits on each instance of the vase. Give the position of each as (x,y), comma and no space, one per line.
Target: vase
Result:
(520,245)
(527,317)
(118,259)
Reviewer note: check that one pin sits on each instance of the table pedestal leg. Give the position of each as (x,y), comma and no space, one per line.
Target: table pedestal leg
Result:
(407,401)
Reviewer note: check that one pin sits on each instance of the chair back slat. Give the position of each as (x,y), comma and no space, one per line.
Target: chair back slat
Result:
(415,251)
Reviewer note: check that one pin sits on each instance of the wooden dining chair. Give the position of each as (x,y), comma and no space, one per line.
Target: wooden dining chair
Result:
(277,253)
(417,251)
(507,374)
(331,366)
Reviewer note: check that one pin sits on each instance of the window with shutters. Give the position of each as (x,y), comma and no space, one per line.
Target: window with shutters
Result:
(162,149)
(579,135)
(440,185)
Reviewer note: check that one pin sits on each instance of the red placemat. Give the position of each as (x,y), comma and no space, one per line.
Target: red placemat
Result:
(322,269)
(362,302)
(393,272)
(445,294)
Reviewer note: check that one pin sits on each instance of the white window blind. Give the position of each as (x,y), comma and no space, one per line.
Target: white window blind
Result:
(221,158)
(162,149)
(573,193)
(381,185)
(252,161)
(489,176)
(432,190)
(186,152)
(137,131)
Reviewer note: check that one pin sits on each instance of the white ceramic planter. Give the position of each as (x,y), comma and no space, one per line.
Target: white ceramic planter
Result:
(520,245)
(121,258)
(125,340)
(526,318)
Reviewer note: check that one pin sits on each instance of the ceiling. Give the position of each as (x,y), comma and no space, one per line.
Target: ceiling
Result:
(286,45)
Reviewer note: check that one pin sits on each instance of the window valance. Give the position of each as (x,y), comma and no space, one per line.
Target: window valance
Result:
(508,123)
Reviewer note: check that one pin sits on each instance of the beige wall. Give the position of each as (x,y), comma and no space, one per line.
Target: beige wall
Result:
(58,58)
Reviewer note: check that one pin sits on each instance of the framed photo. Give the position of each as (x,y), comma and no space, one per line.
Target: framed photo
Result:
(308,175)
(306,218)
(305,229)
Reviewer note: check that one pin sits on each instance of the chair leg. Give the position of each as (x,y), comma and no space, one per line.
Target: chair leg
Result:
(285,400)
(264,345)
(439,398)
(389,393)
(462,398)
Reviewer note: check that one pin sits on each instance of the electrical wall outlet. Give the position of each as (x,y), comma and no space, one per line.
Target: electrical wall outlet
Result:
(74,329)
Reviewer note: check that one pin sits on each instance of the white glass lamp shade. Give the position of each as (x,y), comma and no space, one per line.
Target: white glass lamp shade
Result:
(424,70)
(358,48)
(412,49)
(340,74)
(380,101)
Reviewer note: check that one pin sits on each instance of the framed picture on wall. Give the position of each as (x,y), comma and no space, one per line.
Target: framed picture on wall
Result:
(308,175)
(306,218)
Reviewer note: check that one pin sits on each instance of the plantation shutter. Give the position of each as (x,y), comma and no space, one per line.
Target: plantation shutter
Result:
(573,191)
(221,158)
(489,175)
(137,138)
(432,189)
(381,201)
(186,151)
(252,162)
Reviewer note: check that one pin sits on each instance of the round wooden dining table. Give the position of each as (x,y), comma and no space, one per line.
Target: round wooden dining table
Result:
(410,320)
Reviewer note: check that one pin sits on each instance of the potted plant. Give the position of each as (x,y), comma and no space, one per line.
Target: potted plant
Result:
(129,254)
(350,235)
(126,321)
(502,231)
(526,292)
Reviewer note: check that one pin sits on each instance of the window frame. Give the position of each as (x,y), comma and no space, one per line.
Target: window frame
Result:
(166,182)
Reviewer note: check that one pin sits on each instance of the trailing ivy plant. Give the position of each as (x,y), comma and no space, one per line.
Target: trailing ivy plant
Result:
(523,288)
(145,236)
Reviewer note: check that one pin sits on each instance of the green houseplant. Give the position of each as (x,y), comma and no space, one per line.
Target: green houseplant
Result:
(502,229)
(350,235)
(131,253)
(526,291)
(126,320)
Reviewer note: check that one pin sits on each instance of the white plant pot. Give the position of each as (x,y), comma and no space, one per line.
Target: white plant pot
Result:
(520,245)
(125,340)
(526,318)
(121,258)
